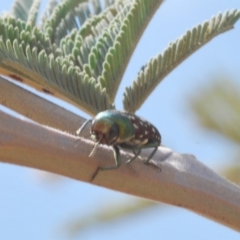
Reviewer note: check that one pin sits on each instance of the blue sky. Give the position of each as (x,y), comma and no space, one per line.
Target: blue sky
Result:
(35,209)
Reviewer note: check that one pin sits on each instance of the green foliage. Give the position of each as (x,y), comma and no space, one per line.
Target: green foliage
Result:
(158,67)
(126,31)
(80,49)
(26,10)
(28,53)
(73,50)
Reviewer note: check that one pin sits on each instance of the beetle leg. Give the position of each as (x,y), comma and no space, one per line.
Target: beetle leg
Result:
(117,158)
(150,145)
(151,155)
(78,132)
(135,156)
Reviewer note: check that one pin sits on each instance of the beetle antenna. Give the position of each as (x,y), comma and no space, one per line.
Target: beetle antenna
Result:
(94,150)
(92,153)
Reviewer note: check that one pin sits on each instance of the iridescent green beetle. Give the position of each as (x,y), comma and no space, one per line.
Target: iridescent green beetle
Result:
(125,130)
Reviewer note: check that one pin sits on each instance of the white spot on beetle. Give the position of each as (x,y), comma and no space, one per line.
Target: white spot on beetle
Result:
(146,132)
(137,141)
(153,130)
(135,125)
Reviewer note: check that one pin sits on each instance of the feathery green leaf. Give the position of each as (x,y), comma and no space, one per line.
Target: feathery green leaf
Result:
(125,31)
(26,52)
(163,64)
(33,13)
(25,10)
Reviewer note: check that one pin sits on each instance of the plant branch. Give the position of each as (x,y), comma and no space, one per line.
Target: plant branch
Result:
(36,108)
(172,178)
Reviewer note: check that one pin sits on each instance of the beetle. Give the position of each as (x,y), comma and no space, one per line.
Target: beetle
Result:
(122,130)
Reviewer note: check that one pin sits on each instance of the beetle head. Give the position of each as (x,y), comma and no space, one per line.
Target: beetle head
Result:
(104,131)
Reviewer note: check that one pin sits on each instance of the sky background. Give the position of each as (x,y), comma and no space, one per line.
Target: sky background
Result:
(33,208)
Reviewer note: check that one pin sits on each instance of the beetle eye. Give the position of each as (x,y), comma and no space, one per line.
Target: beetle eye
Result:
(113,134)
